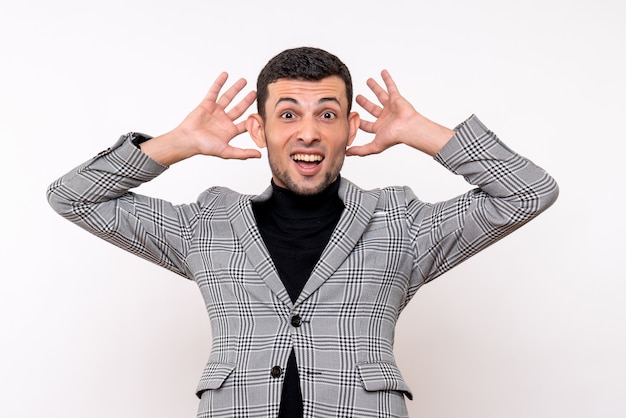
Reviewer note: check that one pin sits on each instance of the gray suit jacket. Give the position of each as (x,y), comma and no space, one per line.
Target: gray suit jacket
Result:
(386,245)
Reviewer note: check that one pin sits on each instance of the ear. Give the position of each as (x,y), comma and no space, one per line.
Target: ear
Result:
(255,127)
(354,121)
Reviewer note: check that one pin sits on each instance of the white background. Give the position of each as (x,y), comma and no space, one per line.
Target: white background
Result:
(532,327)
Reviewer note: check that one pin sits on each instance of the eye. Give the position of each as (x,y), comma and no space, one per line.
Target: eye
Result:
(287,115)
(328,115)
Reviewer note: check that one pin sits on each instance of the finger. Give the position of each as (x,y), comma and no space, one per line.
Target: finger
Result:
(380,92)
(234,153)
(371,107)
(392,88)
(366,126)
(363,150)
(241,128)
(215,88)
(240,108)
(228,96)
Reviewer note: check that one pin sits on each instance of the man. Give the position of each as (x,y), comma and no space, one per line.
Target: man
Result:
(304,283)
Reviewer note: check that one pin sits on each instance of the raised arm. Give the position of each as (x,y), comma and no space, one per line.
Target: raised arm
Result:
(96,195)
(511,190)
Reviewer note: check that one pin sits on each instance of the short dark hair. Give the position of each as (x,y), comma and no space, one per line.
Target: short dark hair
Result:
(304,63)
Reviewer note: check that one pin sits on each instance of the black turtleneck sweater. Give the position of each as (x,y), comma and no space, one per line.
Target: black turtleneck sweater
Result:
(295,230)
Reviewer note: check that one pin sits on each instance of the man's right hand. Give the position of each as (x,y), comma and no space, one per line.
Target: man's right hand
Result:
(208,129)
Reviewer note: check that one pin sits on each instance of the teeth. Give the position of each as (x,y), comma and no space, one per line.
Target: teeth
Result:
(307,158)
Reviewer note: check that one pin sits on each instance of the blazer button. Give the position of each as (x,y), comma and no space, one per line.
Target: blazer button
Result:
(296,320)
(276,371)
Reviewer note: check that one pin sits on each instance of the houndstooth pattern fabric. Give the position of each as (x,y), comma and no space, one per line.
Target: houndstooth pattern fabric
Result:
(386,245)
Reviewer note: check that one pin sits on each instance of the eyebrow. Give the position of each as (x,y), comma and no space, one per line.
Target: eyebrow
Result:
(320,101)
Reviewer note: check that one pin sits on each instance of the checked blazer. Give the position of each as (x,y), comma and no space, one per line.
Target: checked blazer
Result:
(386,245)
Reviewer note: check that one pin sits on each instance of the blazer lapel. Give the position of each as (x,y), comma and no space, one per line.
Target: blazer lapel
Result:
(359,208)
(244,224)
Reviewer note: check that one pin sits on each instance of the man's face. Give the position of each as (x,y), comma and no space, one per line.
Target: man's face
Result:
(306,130)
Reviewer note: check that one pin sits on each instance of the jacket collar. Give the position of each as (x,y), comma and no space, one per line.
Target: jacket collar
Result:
(359,208)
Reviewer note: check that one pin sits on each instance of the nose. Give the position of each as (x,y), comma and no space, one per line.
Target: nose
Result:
(308,131)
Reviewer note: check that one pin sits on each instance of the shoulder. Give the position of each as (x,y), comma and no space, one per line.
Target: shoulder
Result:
(219,196)
(389,196)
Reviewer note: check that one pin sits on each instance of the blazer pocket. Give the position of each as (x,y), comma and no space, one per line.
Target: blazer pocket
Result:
(382,376)
(214,376)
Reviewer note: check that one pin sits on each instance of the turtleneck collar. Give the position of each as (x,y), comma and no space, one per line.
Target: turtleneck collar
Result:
(293,205)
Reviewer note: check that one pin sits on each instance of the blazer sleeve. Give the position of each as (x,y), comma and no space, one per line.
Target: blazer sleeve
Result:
(511,191)
(96,197)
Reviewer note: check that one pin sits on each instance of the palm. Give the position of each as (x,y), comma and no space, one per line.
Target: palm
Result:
(392,117)
(211,128)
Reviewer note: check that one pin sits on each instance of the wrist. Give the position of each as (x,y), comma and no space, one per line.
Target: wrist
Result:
(167,149)
(428,136)
(437,139)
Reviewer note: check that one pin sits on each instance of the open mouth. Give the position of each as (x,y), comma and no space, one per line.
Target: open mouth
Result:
(307,159)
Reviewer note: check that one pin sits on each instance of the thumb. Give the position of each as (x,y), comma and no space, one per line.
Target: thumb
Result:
(363,150)
(233,153)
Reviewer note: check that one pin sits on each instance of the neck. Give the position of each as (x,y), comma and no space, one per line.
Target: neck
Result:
(291,202)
